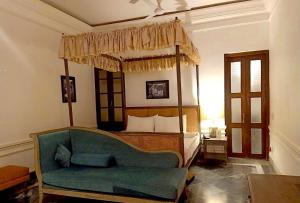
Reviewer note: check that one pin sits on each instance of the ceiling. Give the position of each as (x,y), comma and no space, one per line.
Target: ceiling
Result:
(94,12)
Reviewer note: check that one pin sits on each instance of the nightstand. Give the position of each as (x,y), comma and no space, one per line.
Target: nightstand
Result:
(215,148)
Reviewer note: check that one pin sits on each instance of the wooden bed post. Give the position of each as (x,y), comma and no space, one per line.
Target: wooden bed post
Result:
(69,92)
(198,97)
(179,93)
(179,88)
(123,95)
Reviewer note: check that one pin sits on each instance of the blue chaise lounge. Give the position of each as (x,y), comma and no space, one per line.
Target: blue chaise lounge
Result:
(104,167)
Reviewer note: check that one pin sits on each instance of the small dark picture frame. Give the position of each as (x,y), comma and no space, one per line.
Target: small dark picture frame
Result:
(64,93)
(158,89)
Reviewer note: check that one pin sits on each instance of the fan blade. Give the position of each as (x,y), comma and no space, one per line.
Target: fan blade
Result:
(133,1)
(182,5)
(150,4)
(159,11)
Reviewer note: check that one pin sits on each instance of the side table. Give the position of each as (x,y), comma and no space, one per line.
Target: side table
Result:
(215,148)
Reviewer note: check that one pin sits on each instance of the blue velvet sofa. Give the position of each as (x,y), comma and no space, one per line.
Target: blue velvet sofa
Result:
(133,175)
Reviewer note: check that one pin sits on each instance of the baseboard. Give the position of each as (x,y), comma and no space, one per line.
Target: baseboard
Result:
(276,169)
(16,147)
(289,146)
(285,154)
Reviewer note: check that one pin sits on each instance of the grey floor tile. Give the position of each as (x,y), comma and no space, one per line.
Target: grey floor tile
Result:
(219,183)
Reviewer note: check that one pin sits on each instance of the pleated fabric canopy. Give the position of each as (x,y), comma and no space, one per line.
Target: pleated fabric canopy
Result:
(134,49)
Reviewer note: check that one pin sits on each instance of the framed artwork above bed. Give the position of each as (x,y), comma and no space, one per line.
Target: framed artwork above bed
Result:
(158,89)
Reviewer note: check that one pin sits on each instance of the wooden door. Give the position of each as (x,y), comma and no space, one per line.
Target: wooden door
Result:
(247,104)
(110,100)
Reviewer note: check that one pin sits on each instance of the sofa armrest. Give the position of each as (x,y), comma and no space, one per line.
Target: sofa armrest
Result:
(45,145)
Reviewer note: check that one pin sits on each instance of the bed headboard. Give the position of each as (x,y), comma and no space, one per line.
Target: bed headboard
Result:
(191,113)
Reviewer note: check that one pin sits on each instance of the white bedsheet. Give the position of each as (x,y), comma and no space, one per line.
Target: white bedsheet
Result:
(191,142)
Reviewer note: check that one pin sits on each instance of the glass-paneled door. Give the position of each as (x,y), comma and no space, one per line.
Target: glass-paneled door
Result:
(247,104)
(110,100)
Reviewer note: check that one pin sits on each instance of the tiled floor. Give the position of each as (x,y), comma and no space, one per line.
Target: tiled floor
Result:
(213,183)
(217,183)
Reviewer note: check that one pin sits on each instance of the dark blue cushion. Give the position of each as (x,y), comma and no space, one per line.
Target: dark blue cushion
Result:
(100,160)
(63,156)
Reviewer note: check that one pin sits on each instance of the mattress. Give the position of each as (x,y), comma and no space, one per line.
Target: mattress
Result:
(191,142)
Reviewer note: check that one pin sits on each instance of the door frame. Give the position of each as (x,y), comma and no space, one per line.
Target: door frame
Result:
(265,95)
(111,123)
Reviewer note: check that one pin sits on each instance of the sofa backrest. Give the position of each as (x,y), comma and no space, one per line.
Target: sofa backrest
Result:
(85,141)
(48,143)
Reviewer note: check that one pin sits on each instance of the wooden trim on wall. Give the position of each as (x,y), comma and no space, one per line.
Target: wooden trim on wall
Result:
(248,53)
(15,147)
(171,13)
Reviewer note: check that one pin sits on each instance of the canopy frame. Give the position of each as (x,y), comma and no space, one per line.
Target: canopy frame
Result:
(177,57)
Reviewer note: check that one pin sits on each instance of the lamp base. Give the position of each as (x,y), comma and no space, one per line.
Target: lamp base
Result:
(213,132)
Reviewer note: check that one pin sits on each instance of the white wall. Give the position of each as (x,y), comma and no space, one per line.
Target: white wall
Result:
(30,87)
(212,45)
(284,87)
(136,87)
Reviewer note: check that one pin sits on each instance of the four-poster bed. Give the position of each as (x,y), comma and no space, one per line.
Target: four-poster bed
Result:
(186,143)
(155,47)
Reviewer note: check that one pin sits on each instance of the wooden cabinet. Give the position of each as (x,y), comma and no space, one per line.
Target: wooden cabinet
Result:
(215,148)
(110,100)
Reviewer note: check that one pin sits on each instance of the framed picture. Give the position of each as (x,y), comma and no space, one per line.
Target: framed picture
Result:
(157,89)
(64,88)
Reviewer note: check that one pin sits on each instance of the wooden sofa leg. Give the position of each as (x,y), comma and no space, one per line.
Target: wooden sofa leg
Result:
(41,196)
(184,196)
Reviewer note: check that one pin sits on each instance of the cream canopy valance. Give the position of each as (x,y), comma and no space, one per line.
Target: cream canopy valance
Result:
(135,49)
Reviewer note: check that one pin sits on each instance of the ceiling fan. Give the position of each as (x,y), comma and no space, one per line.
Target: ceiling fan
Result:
(157,8)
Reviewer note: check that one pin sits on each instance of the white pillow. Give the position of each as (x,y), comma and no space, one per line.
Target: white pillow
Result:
(140,124)
(169,124)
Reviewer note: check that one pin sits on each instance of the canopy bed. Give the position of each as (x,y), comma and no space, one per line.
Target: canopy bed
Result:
(166,134)
(155,47)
